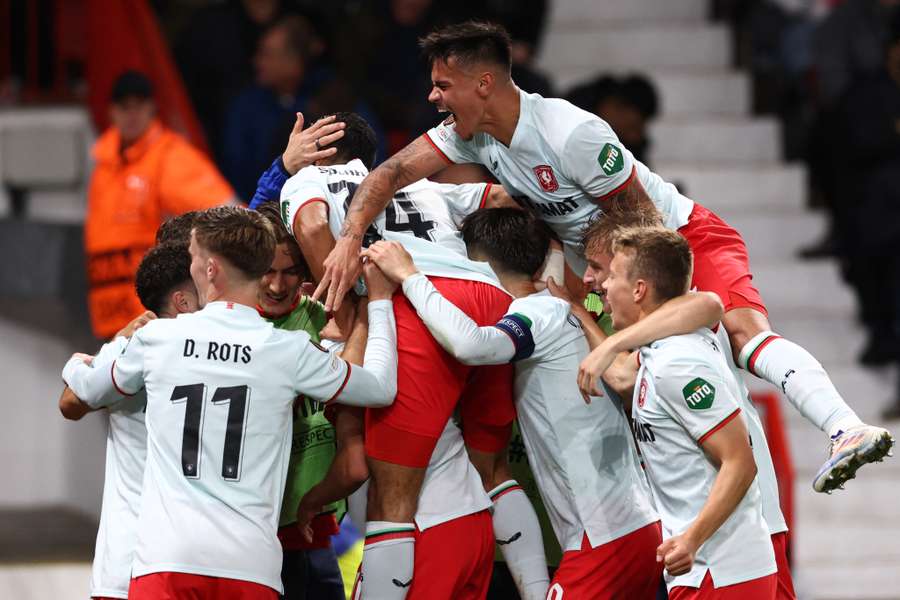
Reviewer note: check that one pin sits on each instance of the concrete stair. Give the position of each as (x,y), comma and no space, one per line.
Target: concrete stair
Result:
(847,545)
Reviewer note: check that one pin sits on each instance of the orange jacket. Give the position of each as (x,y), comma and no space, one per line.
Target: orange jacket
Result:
(131,194)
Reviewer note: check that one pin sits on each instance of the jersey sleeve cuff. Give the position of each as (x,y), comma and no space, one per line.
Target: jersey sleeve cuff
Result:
(112,374)
(721,424)
(619,187)
(437,149)
(485,194)
(343,383)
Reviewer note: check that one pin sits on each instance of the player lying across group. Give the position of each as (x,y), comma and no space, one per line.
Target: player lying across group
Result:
(236,436)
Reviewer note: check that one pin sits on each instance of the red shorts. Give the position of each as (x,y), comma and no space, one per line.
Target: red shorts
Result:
(452,560)
(721,264)
(623,568)
(755,589)
(785,582)
(430,383)
(187,586)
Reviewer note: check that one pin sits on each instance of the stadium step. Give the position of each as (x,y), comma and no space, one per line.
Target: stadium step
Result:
(712,140)
(808,288)
(728,190)
(636,47)
(682,92)
(579,12)
(55,205)
(41,147)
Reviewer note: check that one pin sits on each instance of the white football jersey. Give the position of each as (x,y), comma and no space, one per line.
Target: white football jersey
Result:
(582,455)
(684,393)
(765,475)
(561,160)
(126,454)
(424,216)
(220,385)
(452,487)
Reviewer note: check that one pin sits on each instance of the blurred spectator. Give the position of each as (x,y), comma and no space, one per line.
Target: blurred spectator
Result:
(144,174)
(378,51)
(849,48)
(867,163)
(289,79)
(628,104)
(524,20)
(215,56)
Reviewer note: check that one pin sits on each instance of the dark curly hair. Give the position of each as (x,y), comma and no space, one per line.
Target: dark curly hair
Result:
(164,268)
(177,229)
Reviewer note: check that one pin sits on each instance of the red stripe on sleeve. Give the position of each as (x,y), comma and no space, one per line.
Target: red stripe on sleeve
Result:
(484,196)
(436,149)
(112,374)
(620,187)
(724,422)
(343,385)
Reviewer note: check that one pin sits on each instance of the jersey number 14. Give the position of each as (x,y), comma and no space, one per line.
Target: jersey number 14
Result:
(194,397)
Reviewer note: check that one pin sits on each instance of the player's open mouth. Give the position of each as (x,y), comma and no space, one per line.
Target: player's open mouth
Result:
(270,299)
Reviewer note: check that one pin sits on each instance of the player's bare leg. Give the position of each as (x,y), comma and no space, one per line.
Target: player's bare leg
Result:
(807,386)
(516,527)
(387,567)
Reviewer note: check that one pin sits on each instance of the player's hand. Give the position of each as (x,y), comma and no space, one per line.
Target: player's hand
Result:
(342,268)
(379,285)
(592,369)
(677,553)
(558,291)
(302,149)
(136,324)
(393,259)
(305,515)
(85,358)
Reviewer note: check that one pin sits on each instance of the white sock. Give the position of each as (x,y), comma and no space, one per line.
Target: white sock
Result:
(387,564)
(518,535)
(801,378)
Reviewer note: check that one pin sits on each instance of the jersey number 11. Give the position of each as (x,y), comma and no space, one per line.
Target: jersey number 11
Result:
(194,396)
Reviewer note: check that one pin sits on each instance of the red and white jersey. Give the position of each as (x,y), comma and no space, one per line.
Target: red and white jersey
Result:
(424,216)
(126,455)
(684,393)
(561,160)
(452,487)
(582,455)
(220,386)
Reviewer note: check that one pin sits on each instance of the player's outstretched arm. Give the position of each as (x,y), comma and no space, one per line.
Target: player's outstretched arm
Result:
(730,450)
(106,378)
(310,229)
(677,316)
(453,329)
(71,406)
(375,384)
(416,161)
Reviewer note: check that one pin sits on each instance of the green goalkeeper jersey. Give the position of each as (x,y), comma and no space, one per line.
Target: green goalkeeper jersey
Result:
(313,444)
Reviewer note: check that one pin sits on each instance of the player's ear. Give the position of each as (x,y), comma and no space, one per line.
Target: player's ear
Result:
(212,268)
(640,291)
(485,85)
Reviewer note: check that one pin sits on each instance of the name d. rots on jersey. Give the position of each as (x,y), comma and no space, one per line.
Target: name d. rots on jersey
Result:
(221,351)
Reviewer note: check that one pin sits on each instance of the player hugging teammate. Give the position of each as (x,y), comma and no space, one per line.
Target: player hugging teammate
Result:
(236,436)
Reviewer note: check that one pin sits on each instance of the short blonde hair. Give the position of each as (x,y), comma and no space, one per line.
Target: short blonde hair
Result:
(599,235)
(660,256)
